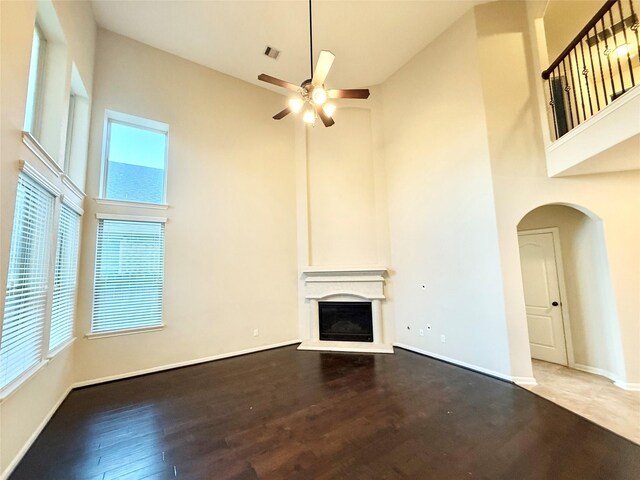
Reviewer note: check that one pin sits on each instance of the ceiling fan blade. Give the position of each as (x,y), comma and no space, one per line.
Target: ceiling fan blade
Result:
(361,93)
(282,114)
(280,83)
(322,67)
(326,119)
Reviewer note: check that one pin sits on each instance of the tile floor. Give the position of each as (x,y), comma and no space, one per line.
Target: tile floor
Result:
(591,396)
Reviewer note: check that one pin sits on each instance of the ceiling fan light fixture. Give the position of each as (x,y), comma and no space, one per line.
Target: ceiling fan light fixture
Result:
(319,95)
(311,94)
(296,104)
(329,109)
(309,117)
(623,50)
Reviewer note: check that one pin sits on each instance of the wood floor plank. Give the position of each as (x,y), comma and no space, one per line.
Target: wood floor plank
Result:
(286,414)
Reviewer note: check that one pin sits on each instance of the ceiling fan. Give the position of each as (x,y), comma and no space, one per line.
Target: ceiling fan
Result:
(312,94)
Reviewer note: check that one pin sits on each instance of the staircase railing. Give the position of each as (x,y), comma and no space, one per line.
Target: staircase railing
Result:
(596,68)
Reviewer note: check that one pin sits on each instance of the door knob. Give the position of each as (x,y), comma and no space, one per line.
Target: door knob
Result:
(555,304)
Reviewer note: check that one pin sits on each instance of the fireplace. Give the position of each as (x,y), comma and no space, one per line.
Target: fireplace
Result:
(344,311)
(345,321)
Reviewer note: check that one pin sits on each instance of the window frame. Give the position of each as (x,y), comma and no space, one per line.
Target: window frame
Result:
(69,134)
(51,352)
(29,171)
(133,330)
(38,97)
(133,121)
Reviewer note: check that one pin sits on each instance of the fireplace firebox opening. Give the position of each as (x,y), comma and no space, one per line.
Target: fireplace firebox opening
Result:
(346,321)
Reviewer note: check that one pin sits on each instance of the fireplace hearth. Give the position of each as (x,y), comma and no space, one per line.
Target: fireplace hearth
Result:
(345,321)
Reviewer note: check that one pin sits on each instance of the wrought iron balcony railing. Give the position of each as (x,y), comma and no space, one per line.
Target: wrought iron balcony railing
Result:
(598,66)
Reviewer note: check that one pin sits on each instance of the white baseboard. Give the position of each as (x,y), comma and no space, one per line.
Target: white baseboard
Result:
(525,381)
(459,363)
(596,371)
(186,363)
(14,463)
(4,475)
(632,387)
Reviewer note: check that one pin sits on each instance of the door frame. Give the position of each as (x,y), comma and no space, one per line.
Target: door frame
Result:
(564,307)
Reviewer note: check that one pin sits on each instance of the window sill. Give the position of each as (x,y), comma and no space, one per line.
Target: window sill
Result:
(11,388)
(118,333)
(130,204)
(62,347)
(32,144)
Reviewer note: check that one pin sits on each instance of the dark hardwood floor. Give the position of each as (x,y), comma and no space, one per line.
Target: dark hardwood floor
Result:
(310,415)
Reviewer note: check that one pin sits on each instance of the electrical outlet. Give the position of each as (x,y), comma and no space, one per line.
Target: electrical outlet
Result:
(443,339)
(256,332)
(422,332)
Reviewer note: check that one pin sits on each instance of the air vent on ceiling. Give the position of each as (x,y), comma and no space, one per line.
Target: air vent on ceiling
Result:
(271,52)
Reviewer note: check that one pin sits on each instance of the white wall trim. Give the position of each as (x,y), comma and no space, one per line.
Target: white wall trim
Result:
(595,370)
(14,463)
(186,363)
(60,348)
(38,150)
(72,205)
(127,331)
(453,361)
(631,387)
(132,218)
(66,179)
(33,172)
(607,374)
(127,203)
(23,378)
(525,381)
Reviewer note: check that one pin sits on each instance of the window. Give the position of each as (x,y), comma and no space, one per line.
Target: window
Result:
(135,159)
(34,87)
(25,303)
(70,132)
(129,275)
(65,278)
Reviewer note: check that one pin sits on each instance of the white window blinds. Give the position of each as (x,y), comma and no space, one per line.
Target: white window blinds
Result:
(65,278)
(25,303)
(129,275)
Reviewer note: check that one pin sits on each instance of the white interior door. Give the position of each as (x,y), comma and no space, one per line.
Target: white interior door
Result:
(542,297)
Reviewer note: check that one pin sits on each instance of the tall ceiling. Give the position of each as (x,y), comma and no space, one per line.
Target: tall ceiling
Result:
(371,39)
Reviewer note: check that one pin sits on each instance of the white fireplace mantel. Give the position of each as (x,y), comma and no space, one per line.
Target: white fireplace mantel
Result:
(365,284)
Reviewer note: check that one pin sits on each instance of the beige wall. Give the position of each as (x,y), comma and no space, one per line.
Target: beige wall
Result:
(595,336)
(521,184)
(22,413)
(441,207)
(342,207)
(230,237)
(563,19)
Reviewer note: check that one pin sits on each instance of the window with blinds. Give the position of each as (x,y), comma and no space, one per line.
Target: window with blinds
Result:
(26,298)
(65,278)
(129,275)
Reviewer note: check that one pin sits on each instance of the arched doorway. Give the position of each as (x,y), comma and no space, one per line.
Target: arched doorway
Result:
(571,316)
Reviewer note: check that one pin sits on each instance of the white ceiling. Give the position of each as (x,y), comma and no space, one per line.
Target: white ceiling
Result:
(371,39)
